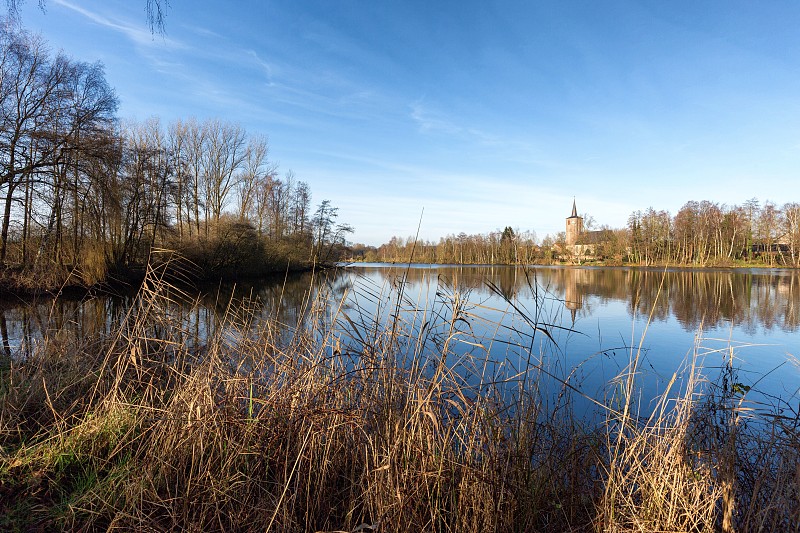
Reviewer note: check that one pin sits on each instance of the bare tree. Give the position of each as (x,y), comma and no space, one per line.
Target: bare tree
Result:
(768,226)
(223,154)
(324,221)
(791,222)
(254,169)
(29,89)
(278,205)
(79,190)
(195,144)
(734,230)
(177,140)
(89,105)
(301,206)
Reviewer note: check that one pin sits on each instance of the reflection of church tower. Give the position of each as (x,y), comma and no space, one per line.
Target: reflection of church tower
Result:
(574,226)
(573,298)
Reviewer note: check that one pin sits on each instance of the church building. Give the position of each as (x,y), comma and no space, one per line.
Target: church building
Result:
(574,226)
(582,244)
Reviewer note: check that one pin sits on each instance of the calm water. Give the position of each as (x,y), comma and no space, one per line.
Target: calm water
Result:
(595,318)
(611,312)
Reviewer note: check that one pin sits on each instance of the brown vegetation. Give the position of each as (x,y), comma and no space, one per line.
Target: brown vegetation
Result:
(353,422)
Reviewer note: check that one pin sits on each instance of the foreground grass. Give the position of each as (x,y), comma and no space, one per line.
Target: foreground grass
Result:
(364,422)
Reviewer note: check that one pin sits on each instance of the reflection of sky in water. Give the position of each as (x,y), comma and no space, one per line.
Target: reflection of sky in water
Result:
(761,353)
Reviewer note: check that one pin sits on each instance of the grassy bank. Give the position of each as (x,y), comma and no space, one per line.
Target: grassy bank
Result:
(361,423)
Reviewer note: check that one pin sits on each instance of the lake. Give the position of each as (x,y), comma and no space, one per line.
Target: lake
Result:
(583,324)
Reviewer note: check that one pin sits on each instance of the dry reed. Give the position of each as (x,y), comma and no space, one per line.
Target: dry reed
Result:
(357,421)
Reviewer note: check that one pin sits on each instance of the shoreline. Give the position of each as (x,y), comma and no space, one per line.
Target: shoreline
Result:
(131,280)
(581,265)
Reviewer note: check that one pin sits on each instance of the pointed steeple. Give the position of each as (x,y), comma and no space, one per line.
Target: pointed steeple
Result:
(574,226)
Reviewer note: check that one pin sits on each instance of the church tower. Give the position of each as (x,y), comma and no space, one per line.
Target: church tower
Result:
(574,226)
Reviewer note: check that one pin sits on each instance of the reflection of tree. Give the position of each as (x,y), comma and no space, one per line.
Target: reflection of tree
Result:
(4,333)
(768,299)
(191,316)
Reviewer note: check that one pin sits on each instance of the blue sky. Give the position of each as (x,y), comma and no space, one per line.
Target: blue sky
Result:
(484,114)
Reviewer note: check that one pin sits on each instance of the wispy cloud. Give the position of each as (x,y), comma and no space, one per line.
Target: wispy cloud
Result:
(203,32)
(138,34)
(263,65)
(525,150)
(431,121)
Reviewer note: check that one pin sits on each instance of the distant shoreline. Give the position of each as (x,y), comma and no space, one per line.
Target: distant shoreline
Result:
(582,265)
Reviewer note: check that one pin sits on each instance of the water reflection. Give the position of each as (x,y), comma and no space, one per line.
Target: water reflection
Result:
(747,298)
(193,314)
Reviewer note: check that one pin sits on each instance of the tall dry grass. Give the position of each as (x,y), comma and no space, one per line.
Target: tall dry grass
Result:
(362,418)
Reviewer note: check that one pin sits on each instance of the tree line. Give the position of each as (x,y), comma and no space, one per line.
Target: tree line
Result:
(701,233)
(708,233)
(507,246)
(84,192)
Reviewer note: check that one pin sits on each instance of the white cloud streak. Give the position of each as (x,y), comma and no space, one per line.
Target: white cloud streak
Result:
(137,34)
(429,121)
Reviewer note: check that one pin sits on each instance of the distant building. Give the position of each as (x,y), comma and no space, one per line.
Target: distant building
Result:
(574,226)
(579,243)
